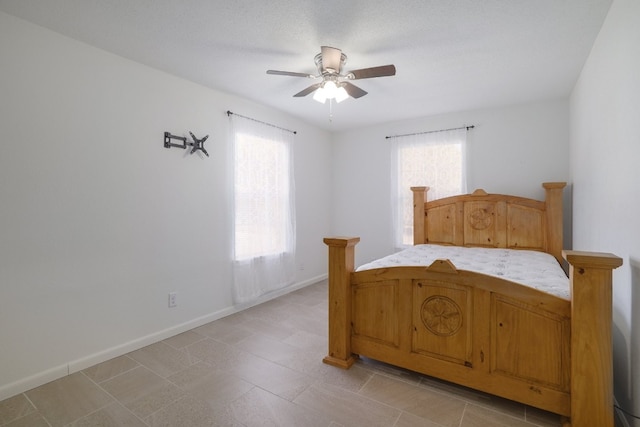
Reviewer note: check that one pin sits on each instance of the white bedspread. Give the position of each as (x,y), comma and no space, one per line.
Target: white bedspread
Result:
(537,270)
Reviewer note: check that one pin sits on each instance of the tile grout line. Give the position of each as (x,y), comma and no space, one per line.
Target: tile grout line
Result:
(115,400)
(464,411)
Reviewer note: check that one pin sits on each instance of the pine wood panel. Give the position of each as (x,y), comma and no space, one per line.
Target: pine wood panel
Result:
(441,228)
(522,221)
(539,338)
(442,321)
(376,310)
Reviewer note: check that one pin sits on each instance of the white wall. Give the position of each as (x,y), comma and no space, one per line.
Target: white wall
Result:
(98,221)
(605,150)
(511,150)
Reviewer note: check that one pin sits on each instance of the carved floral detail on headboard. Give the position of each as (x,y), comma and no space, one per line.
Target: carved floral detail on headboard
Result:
(480,219)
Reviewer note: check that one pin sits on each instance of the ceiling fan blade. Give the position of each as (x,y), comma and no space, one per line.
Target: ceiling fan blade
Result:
(353,90)
(289,73)
(367,73)
(307,91)
(331,59)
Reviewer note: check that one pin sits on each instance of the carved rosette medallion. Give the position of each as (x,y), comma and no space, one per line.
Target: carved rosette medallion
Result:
(480,219)
(441,315)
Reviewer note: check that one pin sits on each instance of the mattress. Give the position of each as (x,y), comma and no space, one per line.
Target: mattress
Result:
(534,269)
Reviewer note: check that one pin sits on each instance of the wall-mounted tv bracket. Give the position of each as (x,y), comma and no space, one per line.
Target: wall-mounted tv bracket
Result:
(197,144)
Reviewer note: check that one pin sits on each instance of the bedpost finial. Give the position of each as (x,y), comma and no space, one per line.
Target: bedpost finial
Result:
(425,189)
(553,185)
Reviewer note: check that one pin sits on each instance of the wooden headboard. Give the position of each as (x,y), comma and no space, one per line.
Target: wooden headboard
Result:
(491,220)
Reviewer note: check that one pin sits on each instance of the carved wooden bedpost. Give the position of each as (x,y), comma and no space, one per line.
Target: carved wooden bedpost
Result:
(591,361)
(341,265)
(553,202)
(419,199)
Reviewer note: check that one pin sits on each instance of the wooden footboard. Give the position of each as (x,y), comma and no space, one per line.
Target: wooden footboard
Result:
(482,332)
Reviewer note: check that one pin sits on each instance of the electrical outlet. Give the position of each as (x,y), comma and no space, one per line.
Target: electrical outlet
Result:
(173,299)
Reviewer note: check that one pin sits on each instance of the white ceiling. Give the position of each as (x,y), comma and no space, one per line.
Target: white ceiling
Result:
(450,55)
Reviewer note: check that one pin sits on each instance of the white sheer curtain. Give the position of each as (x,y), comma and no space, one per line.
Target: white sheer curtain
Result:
(263,208)
(435,160)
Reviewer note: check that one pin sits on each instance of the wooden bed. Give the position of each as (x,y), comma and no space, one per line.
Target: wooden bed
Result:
(509,340)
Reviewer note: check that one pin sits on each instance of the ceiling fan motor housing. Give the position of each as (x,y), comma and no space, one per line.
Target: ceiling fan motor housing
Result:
(328,70)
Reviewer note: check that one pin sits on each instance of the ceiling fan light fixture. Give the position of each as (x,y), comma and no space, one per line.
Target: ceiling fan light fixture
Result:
(320,95)
(329,90)
(341,94)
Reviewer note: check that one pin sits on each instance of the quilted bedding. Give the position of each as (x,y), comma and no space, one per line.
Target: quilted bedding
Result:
(535,269)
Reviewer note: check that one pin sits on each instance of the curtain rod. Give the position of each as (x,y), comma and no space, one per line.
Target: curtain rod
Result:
(264,123)
(431,131)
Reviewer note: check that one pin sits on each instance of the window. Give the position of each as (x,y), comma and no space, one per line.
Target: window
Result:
(436,160)
(261,184)
(263,208)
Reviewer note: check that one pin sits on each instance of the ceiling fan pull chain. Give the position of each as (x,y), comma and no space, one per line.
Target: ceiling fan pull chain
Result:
(330,110)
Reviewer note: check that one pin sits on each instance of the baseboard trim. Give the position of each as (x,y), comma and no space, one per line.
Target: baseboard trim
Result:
(52,374)
(22,385)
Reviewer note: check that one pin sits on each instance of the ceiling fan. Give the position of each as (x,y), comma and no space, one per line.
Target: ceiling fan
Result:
(335,84)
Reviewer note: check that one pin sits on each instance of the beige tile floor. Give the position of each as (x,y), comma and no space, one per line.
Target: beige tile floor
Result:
(260,367)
